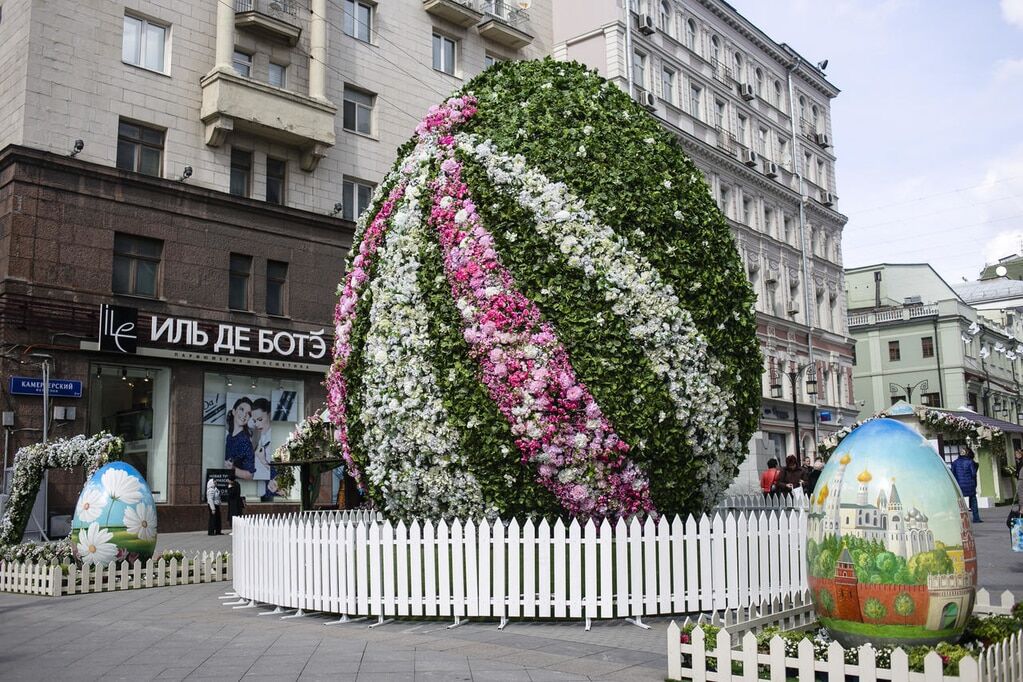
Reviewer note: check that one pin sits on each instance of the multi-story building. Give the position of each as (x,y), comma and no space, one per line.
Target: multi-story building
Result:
(197,166)
(755,116)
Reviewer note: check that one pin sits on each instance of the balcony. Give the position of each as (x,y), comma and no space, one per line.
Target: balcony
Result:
(231,102)
(459,12)
(276,19)
(503,24)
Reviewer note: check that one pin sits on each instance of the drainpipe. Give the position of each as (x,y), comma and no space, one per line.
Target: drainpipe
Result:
(937,357)
(796,161)
(628,48)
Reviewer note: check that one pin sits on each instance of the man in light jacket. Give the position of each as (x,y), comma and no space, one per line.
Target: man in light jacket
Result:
(213,501)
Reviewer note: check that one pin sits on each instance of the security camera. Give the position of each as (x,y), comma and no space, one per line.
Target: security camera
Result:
(338,207)
(78,147)
(185,174)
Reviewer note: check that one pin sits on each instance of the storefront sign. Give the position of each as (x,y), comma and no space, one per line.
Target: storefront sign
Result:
(221,478)
(824,415)
(118,328)
(59,388)
(118,333)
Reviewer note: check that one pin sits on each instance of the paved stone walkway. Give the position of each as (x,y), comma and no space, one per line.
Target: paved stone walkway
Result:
(186,632)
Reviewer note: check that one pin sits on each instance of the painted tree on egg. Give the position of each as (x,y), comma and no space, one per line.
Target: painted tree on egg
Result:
(544,312)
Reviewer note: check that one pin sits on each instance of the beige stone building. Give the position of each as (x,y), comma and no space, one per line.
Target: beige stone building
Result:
(178,184)
(755,116)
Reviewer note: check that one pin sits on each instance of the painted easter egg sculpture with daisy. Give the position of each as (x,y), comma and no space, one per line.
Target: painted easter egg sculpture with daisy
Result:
(115,518)
(543,312)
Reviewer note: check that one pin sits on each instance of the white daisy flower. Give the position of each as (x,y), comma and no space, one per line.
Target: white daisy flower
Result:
(141,520)
(94,546)
(122,486)
(90,504)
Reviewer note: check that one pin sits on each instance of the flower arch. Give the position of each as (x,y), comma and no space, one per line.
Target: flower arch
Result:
(32,461)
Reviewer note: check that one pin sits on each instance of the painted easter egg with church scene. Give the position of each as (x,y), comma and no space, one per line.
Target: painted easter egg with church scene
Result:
(115,517)
(890,551)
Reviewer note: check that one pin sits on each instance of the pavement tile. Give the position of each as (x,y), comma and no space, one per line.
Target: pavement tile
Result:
(385,677)
(442,675)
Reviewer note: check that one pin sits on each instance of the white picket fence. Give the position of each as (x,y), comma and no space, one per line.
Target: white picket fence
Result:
(50,579)
(736,643)
(518,570)
(756,502)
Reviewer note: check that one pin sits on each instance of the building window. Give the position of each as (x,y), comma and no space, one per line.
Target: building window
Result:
(783,153)
(144,44)
(668,85)
(787,221)
(355,198)
(358,20)
(241,172)
(276,287)
(665,18)
(930,399)
(719,114)
(726,199)
(762,141)
(639,69)
(358,111)
(738,68)
(747,211)
(695,101)
(242,63)
(136,265)
(779,99)
(743,130)
(758,80)
(276,180)
(769,221)
(897,398)
(894,354)
(927,346)
(277,75)
(444,54)
(489,60)
(239,287)
(691,35)
(715,50)
(139,149)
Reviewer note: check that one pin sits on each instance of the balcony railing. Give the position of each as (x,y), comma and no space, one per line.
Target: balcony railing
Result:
(503,10)
(504,24)
(726,141)
(276,18)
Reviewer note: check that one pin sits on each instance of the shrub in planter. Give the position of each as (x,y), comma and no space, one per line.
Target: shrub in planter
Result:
(543,312)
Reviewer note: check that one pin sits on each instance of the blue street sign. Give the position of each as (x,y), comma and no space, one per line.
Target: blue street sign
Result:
(824,415)
(59,388)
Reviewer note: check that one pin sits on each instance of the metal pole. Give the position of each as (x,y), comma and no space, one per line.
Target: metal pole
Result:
(628,48)
(46,399)
(793,377)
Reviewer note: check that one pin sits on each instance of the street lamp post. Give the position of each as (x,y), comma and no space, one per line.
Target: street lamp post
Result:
(898,388)
(811,390)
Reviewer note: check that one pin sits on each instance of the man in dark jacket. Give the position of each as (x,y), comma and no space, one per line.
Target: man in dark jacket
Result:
(964,469)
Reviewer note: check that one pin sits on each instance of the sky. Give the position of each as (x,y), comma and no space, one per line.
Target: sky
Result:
(928,128)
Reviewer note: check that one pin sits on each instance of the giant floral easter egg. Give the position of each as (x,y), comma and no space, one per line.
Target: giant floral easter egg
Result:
(115,517)
(890,550)
(543,312)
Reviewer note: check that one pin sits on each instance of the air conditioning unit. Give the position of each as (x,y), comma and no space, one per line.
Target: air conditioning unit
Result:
(749,157)
(646,24)
(823,139)
(828,198)
(649,100)
(770,169)
(746,91)
(792,308)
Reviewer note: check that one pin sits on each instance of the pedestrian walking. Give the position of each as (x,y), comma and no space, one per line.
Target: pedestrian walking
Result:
(791,476)
(1019,476)
(769,478)
(213,501)
(964,469)
(235,501)
(811,480)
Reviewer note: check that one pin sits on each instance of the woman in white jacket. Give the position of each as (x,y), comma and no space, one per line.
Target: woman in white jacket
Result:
(213,500)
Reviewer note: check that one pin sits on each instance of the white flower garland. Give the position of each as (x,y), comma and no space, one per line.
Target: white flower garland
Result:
(676,349)
(411,446)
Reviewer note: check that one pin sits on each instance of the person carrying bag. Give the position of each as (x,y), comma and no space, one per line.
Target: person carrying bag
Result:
(1015,519)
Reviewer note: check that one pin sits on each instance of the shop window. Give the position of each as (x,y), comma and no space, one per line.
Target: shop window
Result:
(276,287)
(246,418)
(136,268)
(134,403)
(240,282)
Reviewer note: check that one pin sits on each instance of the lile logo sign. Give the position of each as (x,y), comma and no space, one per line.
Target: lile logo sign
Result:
(118,329)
